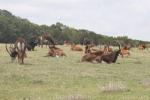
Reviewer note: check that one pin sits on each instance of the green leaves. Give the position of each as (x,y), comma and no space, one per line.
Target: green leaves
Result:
(12,27)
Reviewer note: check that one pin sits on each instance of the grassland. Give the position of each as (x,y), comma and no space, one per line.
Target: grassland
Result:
(46,78)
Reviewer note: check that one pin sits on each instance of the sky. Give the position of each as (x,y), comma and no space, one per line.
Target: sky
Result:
(108,17)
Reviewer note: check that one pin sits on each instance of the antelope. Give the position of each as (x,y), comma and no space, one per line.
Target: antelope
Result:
(32,43)
(125,51)
(107,49)
(18,50)
(46,39)
(92,55)
(55,52)
(112,57)
(20,46)
(142,46)
(75,47)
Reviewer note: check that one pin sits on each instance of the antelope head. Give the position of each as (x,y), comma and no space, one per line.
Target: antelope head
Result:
(12,52)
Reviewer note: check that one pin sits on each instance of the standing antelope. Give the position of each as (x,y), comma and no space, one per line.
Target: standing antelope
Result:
(20,46)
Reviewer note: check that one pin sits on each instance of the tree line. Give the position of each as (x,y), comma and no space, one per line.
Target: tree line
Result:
(12,27)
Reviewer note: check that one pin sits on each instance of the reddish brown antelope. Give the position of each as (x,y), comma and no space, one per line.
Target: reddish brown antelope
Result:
(75,47)
(125,51)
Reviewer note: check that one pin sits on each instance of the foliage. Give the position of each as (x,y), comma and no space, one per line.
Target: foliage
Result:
(12,27)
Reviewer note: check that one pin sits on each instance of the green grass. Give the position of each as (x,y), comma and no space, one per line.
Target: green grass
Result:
(46,78)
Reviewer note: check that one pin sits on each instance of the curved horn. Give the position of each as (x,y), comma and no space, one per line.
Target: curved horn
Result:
(7,50)
(118,44)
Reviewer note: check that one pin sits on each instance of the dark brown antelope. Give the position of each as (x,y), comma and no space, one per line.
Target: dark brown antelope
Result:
(111,57)
(20,46)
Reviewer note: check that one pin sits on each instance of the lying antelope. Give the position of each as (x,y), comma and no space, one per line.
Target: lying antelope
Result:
(91,55)
(107,49)
(75,47)
(112,57)
(55,52)
(102,55)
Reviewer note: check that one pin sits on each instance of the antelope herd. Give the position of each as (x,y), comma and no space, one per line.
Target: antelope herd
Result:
(92,53)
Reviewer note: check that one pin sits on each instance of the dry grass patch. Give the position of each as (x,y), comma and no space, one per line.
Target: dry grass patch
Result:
(77,97)
(114,87)
(145,82)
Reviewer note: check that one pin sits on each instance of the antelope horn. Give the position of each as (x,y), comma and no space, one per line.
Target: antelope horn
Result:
(7,50)
(119,44)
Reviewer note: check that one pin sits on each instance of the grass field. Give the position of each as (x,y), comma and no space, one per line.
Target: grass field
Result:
(46,78)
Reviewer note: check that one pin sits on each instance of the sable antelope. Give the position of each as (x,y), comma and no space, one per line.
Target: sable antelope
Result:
(32,43)
(20,46)
(55,52)
(112,57)
(18,49)
(46,39)
(75,47)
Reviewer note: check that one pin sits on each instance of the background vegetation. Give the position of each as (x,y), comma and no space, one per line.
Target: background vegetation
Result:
(12,27)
